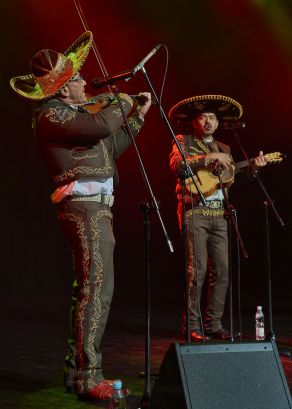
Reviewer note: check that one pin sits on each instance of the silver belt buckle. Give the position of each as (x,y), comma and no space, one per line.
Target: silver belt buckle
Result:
(214,204)
(108,200)
(99,198)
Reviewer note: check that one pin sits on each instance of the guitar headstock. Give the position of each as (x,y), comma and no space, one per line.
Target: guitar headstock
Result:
(274,157)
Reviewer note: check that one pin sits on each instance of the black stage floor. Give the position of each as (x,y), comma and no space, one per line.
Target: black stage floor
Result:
(32,351)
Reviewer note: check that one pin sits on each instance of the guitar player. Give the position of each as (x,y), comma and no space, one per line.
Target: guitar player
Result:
(206,227)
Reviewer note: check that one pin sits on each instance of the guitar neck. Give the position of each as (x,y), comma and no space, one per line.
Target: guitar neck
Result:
(243,163)
(274,157)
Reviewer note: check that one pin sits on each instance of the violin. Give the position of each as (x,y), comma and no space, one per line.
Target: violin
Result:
(101,101)
(97,103)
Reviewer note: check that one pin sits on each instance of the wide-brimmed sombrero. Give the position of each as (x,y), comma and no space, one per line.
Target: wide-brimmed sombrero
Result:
(52,70)
(225,108)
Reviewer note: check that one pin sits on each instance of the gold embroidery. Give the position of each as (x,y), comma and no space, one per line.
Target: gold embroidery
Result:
(199,151)
(86,170)
(135,124)
(80,155)
(84,294)
(206,212)
(95,318)
(89,291)
(202,146)
(60,114)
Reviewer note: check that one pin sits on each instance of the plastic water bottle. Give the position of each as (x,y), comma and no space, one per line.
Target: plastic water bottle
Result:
(118,400)
(259,324)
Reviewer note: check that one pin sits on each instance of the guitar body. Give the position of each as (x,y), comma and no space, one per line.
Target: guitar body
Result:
(209,181)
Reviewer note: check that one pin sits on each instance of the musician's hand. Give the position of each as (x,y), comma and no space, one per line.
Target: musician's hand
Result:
(127,98)
(143,104)
(223,159)
(260,160)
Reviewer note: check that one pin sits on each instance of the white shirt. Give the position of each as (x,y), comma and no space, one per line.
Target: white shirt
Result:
(83,187)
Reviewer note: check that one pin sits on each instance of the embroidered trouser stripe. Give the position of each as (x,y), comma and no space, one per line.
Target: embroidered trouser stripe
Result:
(88,227)
(208,243)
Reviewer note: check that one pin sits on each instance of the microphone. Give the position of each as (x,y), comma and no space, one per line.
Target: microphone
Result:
(148,56)
(124,75)
(112,79)
(232,125)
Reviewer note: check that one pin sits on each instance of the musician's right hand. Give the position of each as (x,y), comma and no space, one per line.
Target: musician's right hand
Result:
(127,98)
(223,159)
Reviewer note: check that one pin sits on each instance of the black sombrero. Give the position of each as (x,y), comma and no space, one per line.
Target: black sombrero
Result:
(225,108)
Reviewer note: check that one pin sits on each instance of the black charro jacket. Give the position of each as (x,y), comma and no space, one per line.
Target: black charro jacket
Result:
(77,144)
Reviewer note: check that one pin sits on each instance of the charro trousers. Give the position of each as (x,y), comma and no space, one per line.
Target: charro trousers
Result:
(207,240)
(88,227)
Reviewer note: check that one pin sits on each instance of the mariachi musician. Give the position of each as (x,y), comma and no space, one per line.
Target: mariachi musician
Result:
(206,226)
(80,148)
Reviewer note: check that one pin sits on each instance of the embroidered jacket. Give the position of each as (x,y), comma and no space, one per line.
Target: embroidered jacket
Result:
(195,151)
(77,144)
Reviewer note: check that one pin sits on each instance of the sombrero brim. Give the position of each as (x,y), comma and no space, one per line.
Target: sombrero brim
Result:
(27,86)
(226,108)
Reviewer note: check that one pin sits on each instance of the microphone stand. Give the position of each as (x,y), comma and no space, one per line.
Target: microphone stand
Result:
(142,168)
(146,208)
(145,401)
(183,175)
(268,203)
(164,117)
(230,216)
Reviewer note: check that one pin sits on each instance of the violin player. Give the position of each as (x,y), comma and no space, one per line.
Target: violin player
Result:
(80,148)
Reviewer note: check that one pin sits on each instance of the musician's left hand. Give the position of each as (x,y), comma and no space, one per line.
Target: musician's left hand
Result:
(143,104)
(260,160)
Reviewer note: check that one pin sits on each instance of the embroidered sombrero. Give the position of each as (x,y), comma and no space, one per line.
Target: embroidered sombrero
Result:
(52,70)
(226,108)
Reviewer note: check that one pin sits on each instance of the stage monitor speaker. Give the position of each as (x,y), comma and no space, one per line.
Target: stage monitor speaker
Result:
(237,375)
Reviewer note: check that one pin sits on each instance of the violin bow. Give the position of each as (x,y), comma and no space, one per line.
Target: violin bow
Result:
(94,47)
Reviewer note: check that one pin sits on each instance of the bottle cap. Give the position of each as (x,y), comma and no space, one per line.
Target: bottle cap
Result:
(259,307)
(118,384)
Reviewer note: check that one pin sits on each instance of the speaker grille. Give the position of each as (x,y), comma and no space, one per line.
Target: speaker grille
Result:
(221,376)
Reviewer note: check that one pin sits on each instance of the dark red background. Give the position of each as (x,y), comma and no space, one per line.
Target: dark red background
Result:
(240,49)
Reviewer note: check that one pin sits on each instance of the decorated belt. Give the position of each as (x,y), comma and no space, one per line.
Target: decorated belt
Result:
(205,211)
(100,198)
(215,204)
